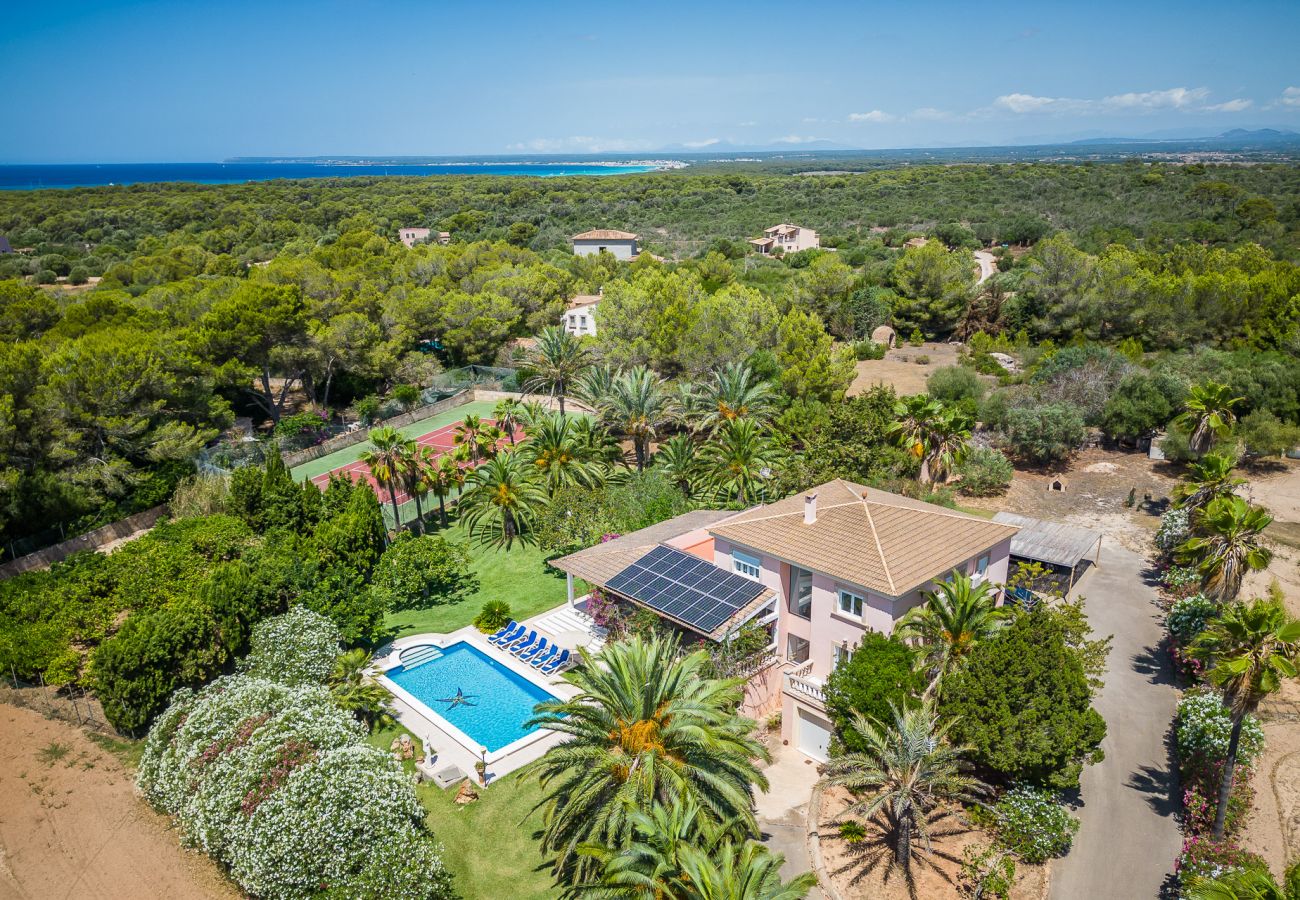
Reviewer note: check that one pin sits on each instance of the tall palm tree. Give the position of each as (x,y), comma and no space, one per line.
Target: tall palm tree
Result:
(1208,478)
(679,461)
(907,769)
(955,616)
(353,692)
(646,727)
(502,500)
(1250,649)
(1226,545)
(1209,414)
(386,461)
(1246,884)
(468,435)
(557,456)
(508,414)
(736,393)
(687,405)
(595,384)
(557,359)
(415,476)
(746,872)
(596,442)
(445,477)
(735,459)
(638,405)
(935,435)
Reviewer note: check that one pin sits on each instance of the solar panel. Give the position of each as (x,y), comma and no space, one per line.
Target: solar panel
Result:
(685,587)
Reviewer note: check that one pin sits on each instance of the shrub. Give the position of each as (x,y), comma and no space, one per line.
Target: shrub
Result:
(1175,529)
(494,616)
(1187,617)
(418,572)
(308,423)
(984,472)
(922,360)
(1043,434)
(1265,434)
(879,672)
(1202,727)
(298,647)
(1032,823)
(916,338)
(1204,858)
(367,410)
(852,832)
(953,384)
(868,350)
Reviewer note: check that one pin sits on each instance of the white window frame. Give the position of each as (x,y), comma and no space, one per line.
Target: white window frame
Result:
(855,600)
(790,640)
(743,564)
(841,655)
(982,564)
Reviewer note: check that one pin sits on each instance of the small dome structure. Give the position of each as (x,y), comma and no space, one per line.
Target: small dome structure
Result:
(886,336)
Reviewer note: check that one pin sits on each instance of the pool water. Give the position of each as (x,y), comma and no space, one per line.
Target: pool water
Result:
(474,692)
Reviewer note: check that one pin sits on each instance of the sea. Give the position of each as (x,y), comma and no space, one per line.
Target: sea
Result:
(35,177)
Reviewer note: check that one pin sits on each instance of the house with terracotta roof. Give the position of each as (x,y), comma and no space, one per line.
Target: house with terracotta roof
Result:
(816,570)
(622,244)
(787,239)
(580,315)
(410,236)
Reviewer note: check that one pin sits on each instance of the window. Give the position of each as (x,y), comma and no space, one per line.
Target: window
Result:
(842,654)
(801,593)
(582,320)
(744,564)
(797,649)
(982,564)
(851,604)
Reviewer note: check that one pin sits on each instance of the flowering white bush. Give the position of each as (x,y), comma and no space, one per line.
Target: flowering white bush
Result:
(1187,617)
(1203,726)
(1032,823)
(1174,530)
(298,647)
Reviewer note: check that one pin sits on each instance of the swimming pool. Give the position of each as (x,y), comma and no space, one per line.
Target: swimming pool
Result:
(477,694)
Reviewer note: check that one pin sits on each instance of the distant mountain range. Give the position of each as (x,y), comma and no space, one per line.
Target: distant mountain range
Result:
(713,147)
(1235,136)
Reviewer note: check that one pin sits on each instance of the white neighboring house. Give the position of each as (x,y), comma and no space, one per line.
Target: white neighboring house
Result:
(787,239)
(580,316)
(622,244)
(410,236)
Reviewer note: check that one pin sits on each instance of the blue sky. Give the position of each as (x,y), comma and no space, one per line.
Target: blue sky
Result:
(197,81)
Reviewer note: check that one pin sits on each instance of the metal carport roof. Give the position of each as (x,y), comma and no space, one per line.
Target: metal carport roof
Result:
(1052,542)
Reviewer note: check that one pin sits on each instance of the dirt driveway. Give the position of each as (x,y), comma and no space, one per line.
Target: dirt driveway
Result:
(900,369)
(71,824)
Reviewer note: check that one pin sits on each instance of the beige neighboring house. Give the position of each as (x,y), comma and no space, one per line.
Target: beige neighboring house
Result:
(915,242)
(622,244)
(580,315)
(411,236)
(787,239)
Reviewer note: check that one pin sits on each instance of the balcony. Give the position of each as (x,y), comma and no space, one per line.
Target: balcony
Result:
(802,683)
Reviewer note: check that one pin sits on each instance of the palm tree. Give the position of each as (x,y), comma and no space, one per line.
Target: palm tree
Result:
(556,360)
(531,411)
(955,616)
(502,500)
(907,769)
(646,727)
(386,461)
(1250,649)
(747,872)
(1226,545)
(468,435)
(679,461)
(596,442)
(1246,884)
(1209,414)
(934,434)
(488,441)
(687,404)
(557,456)
(508,413)
(638,405)
(595,384)
(736,393)
(1207,479)
(415,476)
(444,478)
(354,693)
(734,461)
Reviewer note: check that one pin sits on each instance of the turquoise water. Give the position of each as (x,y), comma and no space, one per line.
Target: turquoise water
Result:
(497,700)
(90,175)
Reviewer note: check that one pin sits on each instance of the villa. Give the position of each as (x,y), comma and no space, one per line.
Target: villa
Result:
(816,570)
(411,236)
(622,244)
(787,239)
(580,315)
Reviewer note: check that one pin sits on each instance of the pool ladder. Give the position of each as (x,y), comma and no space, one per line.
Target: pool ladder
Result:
(412,657)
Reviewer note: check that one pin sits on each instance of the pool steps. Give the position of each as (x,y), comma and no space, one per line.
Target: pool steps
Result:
(414,657)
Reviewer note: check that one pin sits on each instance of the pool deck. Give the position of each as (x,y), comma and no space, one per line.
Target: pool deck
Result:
(454,747)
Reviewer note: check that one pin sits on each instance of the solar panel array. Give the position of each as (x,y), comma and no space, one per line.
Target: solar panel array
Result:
(685,587)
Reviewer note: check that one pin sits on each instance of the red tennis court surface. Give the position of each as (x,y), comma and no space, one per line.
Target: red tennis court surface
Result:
(441,439)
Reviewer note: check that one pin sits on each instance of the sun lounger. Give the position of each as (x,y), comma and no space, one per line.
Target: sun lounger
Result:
(538,661)
(535,651)
(505,635)
(556,663)
(522,644)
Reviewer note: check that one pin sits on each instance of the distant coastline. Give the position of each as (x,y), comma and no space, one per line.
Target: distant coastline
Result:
(68,176)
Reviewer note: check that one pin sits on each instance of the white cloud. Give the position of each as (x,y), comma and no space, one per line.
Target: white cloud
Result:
(581,144)
(929,114)
(1179,98)
(697,145)
(875,115)
(1290,97)
(1238,105)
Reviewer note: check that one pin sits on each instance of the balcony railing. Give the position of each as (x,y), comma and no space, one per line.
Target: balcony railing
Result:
(800,681)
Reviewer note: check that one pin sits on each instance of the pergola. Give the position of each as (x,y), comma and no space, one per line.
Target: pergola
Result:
(1053,543)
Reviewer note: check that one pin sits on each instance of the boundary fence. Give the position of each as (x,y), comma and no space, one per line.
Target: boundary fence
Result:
(71,704)
(91,540)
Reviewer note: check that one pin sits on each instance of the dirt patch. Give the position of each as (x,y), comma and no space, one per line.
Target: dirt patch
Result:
(866,869)
(1273,829)
(900,370)
(72,825)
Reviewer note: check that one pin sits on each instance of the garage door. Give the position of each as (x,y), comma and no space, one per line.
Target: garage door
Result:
(814,735)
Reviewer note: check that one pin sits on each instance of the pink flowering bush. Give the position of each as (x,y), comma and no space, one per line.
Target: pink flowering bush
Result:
(1203,857)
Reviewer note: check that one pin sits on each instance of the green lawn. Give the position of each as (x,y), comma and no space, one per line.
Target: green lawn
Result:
(339,458)
(490,844)
(518,576)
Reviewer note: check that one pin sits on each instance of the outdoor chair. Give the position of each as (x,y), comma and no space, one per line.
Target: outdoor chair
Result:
(535,651)
(538,661)
(556,663)
(520,644)
(505,635)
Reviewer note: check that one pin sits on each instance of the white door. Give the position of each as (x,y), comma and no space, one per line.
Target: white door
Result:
(813,735)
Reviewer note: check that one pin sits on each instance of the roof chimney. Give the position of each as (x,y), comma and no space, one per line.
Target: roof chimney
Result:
(810,509)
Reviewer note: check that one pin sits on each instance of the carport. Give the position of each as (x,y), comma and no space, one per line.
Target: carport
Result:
(1063,548)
